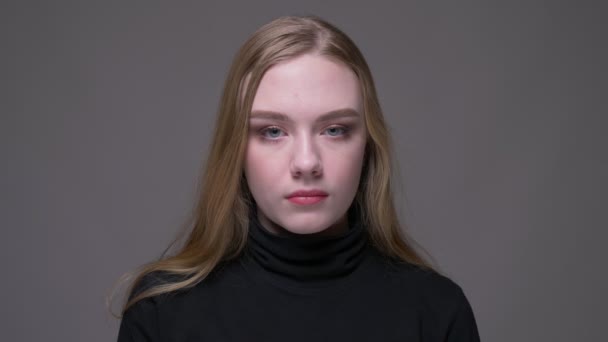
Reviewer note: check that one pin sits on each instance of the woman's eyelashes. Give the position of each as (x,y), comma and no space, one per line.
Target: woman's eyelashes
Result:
(272,134)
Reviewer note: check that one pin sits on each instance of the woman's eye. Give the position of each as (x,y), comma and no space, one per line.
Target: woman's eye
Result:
(333,130)
(271,132)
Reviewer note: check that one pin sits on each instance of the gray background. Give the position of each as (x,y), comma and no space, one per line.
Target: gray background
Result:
(498,111)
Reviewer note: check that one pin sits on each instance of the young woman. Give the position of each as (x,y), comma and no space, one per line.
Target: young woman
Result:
(295,236)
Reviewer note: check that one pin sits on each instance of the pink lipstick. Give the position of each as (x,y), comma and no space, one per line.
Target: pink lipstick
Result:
(307,197)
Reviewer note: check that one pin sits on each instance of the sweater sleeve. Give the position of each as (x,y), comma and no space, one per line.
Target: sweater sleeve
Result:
(463,327)
(139,323)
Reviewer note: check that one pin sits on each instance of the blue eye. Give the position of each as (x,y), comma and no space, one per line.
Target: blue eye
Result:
(272,130)
(273,133)
(340,129)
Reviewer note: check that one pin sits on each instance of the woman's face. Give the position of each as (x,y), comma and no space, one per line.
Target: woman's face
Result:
(306,132)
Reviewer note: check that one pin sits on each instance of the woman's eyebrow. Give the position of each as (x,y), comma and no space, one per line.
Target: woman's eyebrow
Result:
(334,114)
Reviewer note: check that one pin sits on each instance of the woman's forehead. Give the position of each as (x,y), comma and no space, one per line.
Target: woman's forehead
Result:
(308,84)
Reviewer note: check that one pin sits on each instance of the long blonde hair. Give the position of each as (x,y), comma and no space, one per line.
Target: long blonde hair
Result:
(218,228)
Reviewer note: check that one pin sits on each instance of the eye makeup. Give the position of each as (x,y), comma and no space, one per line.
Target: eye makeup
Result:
(343,133)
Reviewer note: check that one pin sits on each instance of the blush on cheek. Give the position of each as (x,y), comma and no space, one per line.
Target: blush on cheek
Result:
(260,168)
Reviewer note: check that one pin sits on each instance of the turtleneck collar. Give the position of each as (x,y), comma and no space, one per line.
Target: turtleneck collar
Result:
(294,259)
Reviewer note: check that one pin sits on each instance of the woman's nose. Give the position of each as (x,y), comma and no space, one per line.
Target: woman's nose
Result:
(306,160)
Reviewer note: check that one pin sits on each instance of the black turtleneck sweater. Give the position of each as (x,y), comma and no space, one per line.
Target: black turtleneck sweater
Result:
(292,287)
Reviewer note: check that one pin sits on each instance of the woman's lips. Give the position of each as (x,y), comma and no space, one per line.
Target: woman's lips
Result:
(307,196)
(306,200)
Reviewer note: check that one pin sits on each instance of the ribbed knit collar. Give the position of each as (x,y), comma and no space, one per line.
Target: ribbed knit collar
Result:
(293,259)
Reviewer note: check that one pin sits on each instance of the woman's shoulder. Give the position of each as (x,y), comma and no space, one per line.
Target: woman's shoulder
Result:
(152,279)
(160,277)
(428,284)
(434,294)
